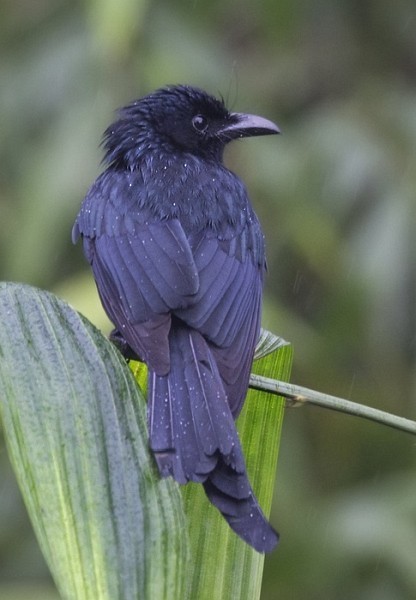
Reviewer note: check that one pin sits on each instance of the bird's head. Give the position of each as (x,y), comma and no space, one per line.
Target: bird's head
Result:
(178,119)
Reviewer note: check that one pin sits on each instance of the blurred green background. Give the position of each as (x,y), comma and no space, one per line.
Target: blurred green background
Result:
(336,194)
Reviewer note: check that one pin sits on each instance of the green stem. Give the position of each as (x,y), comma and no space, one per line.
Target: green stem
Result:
(299,395)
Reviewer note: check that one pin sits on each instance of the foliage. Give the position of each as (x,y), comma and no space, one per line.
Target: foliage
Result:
(74,424)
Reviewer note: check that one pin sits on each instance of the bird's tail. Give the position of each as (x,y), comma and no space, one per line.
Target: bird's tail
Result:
(193,436)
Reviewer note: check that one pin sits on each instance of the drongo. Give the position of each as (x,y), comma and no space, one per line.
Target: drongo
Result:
(178,257)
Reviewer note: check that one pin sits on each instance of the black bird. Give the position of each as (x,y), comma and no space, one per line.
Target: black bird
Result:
(178,257)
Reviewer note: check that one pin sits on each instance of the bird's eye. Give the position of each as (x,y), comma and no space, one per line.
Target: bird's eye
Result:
(200,123)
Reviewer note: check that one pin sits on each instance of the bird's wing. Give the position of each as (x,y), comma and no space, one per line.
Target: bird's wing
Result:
(152,269)
(141,278)
(227,306)
(143,270)
(147,270)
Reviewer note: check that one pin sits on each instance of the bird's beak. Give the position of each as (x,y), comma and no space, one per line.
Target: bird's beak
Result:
(243,125)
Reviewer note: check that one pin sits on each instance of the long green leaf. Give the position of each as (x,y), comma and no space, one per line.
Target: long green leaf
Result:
(222,565)
(74,423)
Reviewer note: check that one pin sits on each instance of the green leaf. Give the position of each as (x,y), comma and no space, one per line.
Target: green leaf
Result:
(222,565)
(74,424)
(267,344)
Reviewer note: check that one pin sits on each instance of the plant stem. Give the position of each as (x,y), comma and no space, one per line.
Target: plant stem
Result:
(299,396)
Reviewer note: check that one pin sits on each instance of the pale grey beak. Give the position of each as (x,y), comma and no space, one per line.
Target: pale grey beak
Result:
(244,125)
